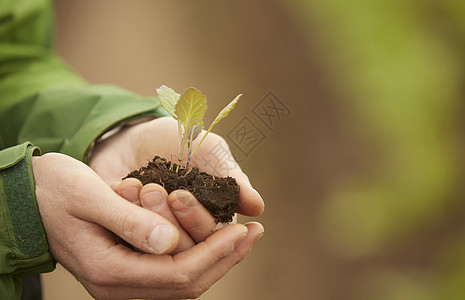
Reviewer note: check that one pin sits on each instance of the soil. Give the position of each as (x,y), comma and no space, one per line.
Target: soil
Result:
(219,195)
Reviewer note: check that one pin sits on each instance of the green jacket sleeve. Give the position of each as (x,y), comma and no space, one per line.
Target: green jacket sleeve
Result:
(43,101)
(68,120)
(23,243)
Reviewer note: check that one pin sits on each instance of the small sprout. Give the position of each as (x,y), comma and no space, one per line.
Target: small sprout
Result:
(189,109)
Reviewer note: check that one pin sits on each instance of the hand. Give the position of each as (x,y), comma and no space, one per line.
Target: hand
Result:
(84,219)
(134,146)
(181,208)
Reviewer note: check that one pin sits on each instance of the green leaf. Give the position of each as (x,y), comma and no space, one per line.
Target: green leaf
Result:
(191,107)
(168,99)
(225,111)
(197,129)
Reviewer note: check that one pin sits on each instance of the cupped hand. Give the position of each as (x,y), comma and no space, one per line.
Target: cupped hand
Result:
(181,208)
(134,146)
(85,220)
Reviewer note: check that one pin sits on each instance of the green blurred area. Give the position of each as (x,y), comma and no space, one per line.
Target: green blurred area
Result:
(401,65)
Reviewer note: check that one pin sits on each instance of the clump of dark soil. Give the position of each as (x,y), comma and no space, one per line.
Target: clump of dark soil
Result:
(219,195)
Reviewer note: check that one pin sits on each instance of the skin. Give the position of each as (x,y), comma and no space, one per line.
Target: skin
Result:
(130,149)
(90,217)
(86,221)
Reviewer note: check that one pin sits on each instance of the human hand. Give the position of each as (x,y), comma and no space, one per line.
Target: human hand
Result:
(134,146)
(84,219)
(181,208)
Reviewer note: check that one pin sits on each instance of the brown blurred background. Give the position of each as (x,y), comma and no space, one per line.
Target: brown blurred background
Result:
(362,166)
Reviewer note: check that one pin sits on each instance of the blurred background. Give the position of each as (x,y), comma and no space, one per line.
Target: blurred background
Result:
(351,127)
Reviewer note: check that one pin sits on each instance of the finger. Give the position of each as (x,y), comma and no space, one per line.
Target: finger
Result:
(217,271)
(140,227)
(114,186)
(191,214)
(174,276)
(154,197)
(250,202)
(129,189)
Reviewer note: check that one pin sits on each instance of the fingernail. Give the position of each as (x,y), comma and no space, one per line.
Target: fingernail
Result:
(161,238)
(131,194)
(153,201)
(184,200)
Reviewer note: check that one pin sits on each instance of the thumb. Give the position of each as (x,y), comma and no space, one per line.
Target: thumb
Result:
(142,228)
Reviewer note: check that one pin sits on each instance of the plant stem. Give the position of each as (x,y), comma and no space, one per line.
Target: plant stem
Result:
(182,146)
(189,147)
(198,145)
(180,138)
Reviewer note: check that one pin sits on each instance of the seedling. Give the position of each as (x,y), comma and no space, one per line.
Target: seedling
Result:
(189,109)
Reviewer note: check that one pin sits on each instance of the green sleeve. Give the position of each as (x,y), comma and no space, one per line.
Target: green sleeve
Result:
(42,100)
(23,243)
(68,120)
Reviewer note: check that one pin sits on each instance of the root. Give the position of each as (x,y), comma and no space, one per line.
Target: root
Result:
(171,163)
(187,172)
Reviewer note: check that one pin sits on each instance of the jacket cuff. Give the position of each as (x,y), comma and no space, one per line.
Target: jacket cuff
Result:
(23,243)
